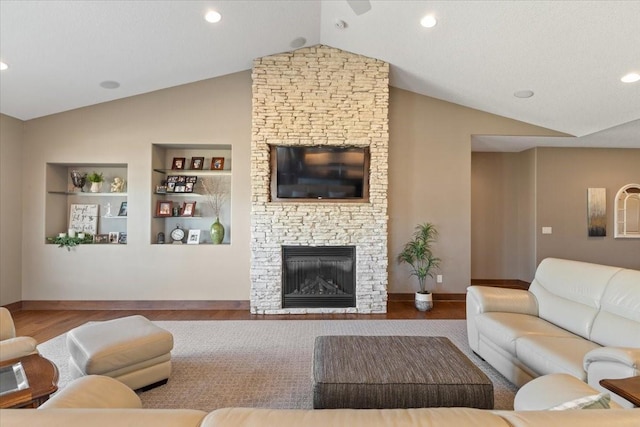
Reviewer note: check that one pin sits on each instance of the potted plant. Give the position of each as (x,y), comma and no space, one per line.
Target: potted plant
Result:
(96,181)
(418,254)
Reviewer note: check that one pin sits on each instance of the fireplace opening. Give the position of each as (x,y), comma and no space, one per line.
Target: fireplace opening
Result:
(318,276)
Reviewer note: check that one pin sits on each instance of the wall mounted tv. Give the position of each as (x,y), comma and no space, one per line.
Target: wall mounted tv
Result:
(323,172)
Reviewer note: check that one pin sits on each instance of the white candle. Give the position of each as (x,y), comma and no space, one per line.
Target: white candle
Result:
(80,235)
(72,232)
(62,234)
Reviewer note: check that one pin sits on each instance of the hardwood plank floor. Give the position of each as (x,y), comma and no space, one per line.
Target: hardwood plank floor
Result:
(46,324)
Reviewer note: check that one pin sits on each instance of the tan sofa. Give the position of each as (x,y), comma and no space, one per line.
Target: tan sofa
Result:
(11,346)
(577,318)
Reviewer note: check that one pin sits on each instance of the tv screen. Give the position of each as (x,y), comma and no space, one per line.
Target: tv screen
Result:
(321,172)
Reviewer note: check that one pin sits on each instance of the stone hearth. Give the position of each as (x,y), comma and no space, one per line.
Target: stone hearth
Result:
(319,96)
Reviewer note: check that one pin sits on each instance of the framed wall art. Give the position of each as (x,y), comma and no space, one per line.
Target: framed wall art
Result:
(197,163)
(597,212)
(83,218)
(217,163)
(178,163)
(164,208)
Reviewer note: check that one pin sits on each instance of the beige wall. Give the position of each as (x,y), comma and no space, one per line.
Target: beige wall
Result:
(563,177)
(215,111)
(11,137)
(430,179)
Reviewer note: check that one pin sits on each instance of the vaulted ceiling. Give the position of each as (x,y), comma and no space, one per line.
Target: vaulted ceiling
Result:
(570,54)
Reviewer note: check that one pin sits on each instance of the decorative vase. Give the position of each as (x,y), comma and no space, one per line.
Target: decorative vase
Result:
(96,187)
(424,301)
(217,232)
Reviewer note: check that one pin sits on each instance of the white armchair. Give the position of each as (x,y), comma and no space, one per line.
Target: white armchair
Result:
(12,347)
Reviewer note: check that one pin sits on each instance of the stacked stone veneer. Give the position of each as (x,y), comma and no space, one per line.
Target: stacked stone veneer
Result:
(319,96)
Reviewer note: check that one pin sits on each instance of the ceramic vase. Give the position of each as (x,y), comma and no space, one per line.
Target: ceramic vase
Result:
(424,302)
(217,232)
(96,187)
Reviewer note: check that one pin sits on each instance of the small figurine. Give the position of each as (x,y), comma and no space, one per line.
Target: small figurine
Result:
(117,186)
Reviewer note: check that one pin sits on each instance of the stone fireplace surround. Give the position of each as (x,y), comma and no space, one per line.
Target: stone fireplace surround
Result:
(319,96)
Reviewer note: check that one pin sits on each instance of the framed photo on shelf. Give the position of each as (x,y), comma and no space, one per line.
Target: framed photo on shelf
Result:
(191,183)
(101,238)
(123,209)
(122,239)
(113,236)
(161,189)
(194,237)
(197,163)
(188,209)
(178,163)
(163,208)
(217,163)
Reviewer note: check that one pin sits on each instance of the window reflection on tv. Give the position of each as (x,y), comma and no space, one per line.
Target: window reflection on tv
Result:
(320,172)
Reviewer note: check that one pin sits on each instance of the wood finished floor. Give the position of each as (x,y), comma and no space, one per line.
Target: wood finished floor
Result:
(46,324)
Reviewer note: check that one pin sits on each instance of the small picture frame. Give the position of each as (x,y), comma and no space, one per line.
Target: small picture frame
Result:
(217,163)
(101,238)
(180,188)
(194,237)
(122,239)
(161,189)
(123,209)
(189,187)
(188,209)
(113,236)
(197,163)
(164,208)
(178,163)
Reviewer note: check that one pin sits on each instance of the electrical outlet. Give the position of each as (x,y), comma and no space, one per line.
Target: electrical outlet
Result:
(547,230)
(439,278)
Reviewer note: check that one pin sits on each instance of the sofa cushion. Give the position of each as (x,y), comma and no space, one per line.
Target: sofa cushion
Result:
(569,292)
(248,417)
(73,417)
(505,328)
(550,355)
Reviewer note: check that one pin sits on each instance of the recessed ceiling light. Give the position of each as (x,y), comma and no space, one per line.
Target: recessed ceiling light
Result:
(3,66)
(429,21)
(213,16)
(110,84)
(523,94)
(630,78)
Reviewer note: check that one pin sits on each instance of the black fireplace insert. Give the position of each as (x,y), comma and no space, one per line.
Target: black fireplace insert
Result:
(318,276)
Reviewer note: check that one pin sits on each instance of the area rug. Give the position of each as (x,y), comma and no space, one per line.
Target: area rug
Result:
(267,363)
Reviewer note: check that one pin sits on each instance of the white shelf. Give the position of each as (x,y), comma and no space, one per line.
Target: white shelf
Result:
(191,172)
(88,194)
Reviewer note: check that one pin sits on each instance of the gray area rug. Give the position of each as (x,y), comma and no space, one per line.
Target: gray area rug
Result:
(266,363)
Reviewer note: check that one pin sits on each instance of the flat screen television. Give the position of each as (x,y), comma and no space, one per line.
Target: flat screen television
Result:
(319,173)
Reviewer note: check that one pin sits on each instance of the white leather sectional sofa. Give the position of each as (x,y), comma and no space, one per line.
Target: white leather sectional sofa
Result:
(577,318)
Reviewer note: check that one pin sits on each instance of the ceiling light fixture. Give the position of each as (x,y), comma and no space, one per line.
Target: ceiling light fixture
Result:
(429,21)
(523,94)
(3,66)
(110,84)
(213,16)
(630,78)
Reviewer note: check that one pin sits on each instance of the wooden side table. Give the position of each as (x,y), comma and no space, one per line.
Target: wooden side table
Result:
(42,375)
(627,388)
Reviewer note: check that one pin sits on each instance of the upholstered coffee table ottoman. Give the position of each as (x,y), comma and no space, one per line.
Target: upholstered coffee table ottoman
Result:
(130,349)
(365,372)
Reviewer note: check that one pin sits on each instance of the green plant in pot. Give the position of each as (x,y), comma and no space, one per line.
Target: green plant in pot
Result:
(419,255)
(96,180)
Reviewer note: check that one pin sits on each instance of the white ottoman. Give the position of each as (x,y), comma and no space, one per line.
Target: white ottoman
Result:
(130,349)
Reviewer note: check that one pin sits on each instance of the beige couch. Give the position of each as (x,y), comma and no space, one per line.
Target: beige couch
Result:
(247,417)
(577,318)
(11,346)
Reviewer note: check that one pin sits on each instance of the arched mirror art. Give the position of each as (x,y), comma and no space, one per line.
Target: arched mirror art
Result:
(627,206)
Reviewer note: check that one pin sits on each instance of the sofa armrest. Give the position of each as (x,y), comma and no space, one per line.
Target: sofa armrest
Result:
(611,363)
(7,327)
(484,299)
(14,348)
(627,356)
(94,391)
